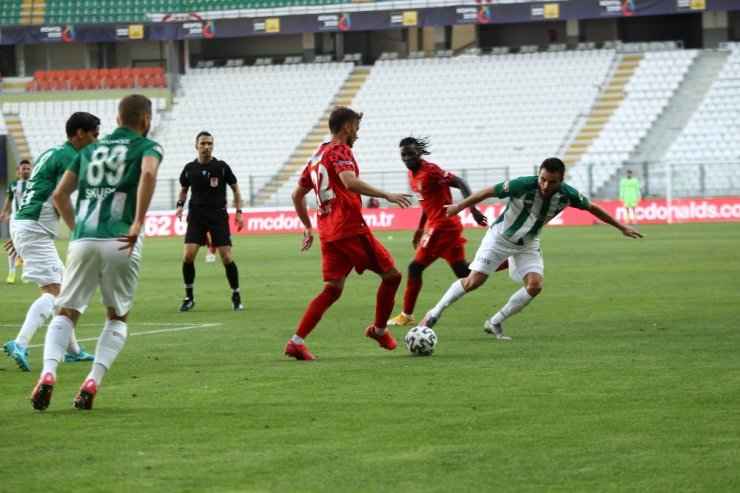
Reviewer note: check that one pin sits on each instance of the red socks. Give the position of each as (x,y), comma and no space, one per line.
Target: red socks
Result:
(413,287)
(385,299)
(316,309)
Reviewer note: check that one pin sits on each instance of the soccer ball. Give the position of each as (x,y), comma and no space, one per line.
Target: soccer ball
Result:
(421,341)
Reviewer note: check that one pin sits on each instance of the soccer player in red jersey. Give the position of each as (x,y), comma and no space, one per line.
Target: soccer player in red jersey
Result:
(443,238)
(346,241)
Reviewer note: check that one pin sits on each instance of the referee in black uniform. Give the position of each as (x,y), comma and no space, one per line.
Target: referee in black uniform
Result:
(208,177)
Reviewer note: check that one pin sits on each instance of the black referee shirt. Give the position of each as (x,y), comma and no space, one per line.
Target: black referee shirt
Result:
(207,183)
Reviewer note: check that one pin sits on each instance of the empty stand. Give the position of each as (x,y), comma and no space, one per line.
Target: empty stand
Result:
(481,112)
(44,122)
(94,79)
(258,116)
(710,139)
(645,96)
(10,12)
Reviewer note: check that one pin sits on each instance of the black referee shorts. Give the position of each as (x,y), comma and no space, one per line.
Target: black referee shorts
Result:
(215,222)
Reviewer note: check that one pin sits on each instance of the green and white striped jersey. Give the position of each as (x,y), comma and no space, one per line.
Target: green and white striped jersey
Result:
(526,212)
(108,180)
(37,212)
(15,194)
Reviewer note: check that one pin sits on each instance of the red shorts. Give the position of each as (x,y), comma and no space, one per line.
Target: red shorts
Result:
(361,252)
(448,244)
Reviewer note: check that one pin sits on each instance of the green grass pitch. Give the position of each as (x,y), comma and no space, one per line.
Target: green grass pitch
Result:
(623,375)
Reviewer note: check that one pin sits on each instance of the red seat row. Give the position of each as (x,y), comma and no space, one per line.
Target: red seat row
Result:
(95,83)
(99,73)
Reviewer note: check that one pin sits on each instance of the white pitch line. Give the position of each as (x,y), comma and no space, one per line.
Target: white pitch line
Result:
(160,331)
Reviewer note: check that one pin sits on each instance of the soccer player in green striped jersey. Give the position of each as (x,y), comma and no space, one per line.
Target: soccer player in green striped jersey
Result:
(115,180)
(533,201)
(13,196)
(35,229)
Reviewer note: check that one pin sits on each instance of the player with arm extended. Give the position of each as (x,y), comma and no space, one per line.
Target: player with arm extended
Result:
(115,179)
(443,238)
(533,201)
(35,229)
(208,177)
(346,241)
(13,196)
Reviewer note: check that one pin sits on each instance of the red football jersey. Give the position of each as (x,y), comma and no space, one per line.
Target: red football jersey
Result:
(431,185)
(339,210)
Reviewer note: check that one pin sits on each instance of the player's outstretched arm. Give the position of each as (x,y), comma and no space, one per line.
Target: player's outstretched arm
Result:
(299,203)
(470,200)
(354,184)
(462,185)
(62,198)
(604,216)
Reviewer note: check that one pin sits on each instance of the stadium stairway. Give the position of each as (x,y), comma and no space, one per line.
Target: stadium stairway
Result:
(682,106)
(314,138)
(669,125)
(608,101)
(15,129)
(32,12)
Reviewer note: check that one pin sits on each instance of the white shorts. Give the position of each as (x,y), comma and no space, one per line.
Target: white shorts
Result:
(93,262)
(41,262)
(523,259)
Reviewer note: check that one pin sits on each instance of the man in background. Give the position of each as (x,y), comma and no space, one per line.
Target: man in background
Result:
(35,229)
(208,177)
(532,202)
(346,241)
(629,192)
(13,196)
(443,237)
(116,179)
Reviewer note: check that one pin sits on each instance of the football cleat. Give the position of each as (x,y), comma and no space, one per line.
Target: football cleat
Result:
(187,305)
(496,330)
(402,319)
(298,351)
(19,354)
(210,257)
(86,394)
(11,278)
(41,395)
(428,320)
(386,340)
(81,356)
(236,302)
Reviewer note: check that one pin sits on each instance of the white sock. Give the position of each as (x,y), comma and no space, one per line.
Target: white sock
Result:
(109,345)
(11,263)
(35,318)
(299,340)
(516,303)
(57,339)
(96,373)
(454,293)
